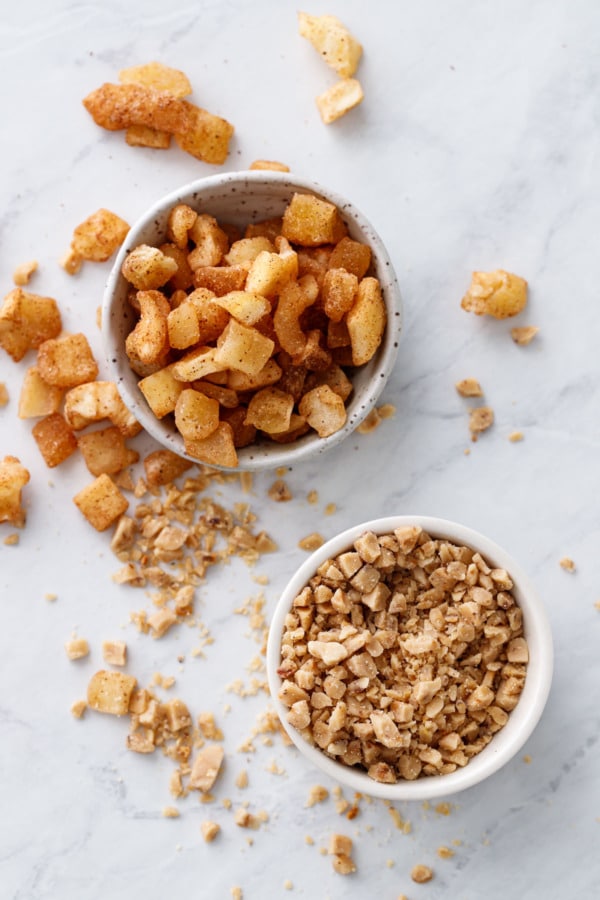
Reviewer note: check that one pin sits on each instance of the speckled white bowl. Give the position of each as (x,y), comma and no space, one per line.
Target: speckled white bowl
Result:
(522,720)
(241,198)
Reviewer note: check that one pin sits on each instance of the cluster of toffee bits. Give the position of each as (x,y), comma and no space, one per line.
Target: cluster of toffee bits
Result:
(252,334)
(403,655)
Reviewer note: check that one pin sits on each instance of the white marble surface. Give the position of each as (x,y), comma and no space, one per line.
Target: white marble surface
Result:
(476,148)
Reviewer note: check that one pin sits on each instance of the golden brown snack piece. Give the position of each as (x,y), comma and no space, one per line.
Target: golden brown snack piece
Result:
(499,294)
(421,874)
(114,652)
(268,165)
(158,76)
(469,387)
(164,466)
(206,136)
(97,400)
(37,397)
(310,221)
(13,477)
(26,321)
(480,419)
(3,394)
(110,692)
(366,321)
(66,361)
(524,335)
(77,648)
(339,99)
(117,106)
(101,502)
(97,238)
(55,439)
(22,274)
(332,40)
(105,451)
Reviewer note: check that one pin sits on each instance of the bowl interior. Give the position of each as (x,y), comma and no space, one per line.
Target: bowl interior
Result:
(242,198)
(522,719)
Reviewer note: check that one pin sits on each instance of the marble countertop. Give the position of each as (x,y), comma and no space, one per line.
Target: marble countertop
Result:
(476,147)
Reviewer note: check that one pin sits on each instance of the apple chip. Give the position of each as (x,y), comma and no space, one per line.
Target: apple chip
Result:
(95,401)
(26,321)
(99,236)
(161,390)
(310,221)
(332,40)
(196,415)
(117,106)
(205,136)
(270,410)
(324,410)
(38,398)
(366,321)
(101,502)
(218,449)
(158,76)
(67,361)
(105,451)
(110,692)
(244,306)
(499,294)
(243,349)
(13,478)
(55,439)
(147,268)
(149,340)
(339,99)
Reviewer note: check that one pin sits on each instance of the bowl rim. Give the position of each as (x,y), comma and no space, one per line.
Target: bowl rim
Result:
(264,455)
(507,742)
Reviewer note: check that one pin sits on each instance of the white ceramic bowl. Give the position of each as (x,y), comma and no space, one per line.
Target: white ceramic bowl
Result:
(522,720)
(240,198)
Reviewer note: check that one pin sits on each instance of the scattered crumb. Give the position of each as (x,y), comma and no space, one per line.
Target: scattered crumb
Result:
(401,824)
(51,597)
(288,885)
(114,652)
(208,727)
(527,758)
(311,541)
(77,648)
(280,492)
(209,830)
(3,394)
(387,411)
(312,497)
(170,812)
(469,387)
(309,840)
(11,540)
(78,708)
(390,863)
(317,794)
(597,605)
(524,335)
(516,436)
(467,451)
(330,509)
(421,874)
(242,779)
(236,893)
(246,481)
(480,419)
(445,852)
(443,809)
(457,842)
(567,564)
(376,417)
(23,272)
